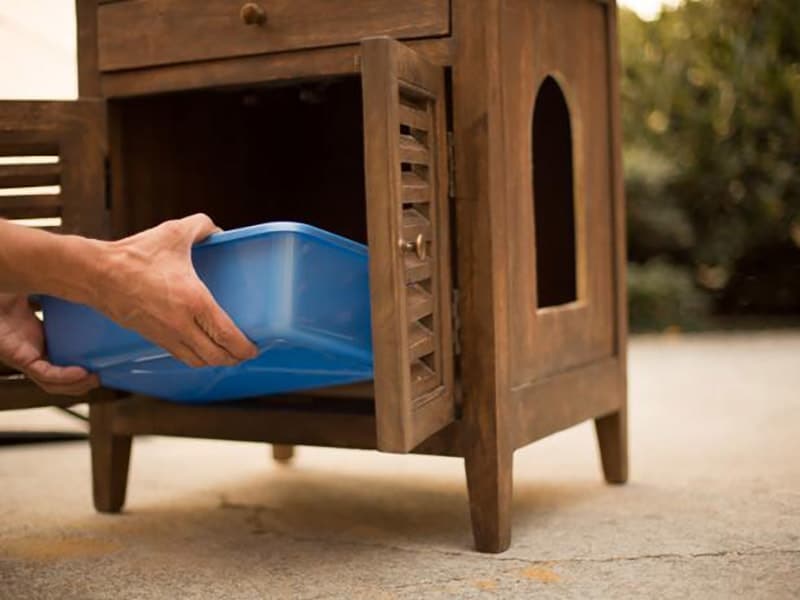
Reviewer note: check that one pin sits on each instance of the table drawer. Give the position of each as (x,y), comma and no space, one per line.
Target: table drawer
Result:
(141,33)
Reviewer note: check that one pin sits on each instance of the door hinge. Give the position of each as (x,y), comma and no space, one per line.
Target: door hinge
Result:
(108,186)
(456,324)
(451,166)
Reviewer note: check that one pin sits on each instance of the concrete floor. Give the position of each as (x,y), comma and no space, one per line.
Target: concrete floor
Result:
(712,510)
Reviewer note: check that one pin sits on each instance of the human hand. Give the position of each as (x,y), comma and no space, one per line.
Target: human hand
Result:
(22,348)
(151,287)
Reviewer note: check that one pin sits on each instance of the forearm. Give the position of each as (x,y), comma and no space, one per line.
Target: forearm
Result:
(145,282)
(34,262)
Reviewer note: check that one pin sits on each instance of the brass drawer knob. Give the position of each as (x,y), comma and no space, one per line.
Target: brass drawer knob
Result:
(417,246)
(253,14)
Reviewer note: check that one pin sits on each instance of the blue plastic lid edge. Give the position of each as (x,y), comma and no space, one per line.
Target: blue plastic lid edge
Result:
(262,229)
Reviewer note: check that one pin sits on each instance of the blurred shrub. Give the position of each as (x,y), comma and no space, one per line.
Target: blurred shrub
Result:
(661,295)
(711,117)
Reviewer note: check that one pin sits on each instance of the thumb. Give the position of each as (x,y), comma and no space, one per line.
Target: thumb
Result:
(201,226)
(45,372)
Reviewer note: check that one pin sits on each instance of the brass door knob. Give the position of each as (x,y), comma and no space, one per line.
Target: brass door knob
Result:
(253,14)
(417,246)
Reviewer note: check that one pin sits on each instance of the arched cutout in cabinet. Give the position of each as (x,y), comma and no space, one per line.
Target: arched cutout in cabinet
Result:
(554,198)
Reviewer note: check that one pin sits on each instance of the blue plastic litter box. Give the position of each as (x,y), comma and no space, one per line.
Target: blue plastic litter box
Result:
(300,293)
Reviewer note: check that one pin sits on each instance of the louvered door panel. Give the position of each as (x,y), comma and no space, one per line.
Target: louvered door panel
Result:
(52,172)
(52,176)
(30,184)
(406,172)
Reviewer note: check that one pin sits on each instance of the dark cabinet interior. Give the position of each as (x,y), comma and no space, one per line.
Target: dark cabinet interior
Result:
(292,152)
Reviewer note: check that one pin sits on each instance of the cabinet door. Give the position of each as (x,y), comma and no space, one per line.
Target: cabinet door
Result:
(52,175)
(407,221)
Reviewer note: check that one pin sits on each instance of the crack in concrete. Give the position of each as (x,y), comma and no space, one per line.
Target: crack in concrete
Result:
(539,561)
(551,563)
(667,555)
(258,510)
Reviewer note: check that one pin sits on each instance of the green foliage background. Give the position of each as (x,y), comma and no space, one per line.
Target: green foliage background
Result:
(711,117)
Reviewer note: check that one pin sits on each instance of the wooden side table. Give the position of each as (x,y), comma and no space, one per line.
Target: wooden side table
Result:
(474,144)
